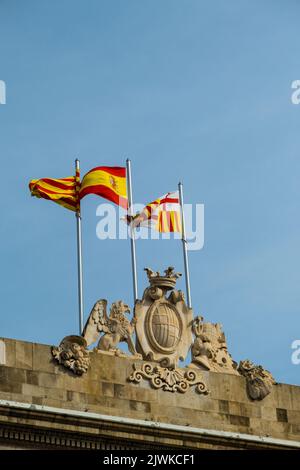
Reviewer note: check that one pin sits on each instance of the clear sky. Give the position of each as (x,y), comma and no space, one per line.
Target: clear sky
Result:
(198,90)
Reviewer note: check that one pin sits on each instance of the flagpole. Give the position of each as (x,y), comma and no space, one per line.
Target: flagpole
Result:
(132,239)
(79,253)
(184,246)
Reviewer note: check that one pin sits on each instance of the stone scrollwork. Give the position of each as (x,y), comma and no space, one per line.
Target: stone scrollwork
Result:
(259,380)
(168,379)
(72,354)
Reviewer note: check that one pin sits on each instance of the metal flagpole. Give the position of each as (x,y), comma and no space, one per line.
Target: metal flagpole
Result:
(79,255)
(184,246)
(132,239)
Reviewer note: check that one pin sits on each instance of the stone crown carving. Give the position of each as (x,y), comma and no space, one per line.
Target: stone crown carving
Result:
(168,281)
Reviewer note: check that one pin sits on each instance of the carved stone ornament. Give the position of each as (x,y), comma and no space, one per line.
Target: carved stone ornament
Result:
(72,354)
(171,380)
(163,324)
(259,380)
(116,328)
(209,350)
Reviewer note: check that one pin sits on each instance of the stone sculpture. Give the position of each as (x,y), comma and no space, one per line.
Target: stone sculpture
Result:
(171,380)
(116,327)
(259,380)
(209,349)
(72,354)
(165,331)
(163,324)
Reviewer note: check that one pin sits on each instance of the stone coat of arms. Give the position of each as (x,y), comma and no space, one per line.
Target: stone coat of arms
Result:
(163,322)
(164,331)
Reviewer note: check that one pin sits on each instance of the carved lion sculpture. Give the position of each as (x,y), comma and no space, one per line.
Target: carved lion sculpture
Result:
(209,350)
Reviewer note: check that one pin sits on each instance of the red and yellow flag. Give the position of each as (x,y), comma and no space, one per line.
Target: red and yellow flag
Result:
(163,214)
(63,191)
(107,182)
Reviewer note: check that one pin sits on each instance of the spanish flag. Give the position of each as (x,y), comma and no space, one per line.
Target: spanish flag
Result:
(107,182)
(63,191)
(163,214)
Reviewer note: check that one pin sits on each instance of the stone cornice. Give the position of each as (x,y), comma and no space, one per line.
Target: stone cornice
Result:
(27,424)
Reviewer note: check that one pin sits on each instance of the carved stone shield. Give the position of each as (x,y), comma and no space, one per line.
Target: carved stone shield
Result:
(163,325)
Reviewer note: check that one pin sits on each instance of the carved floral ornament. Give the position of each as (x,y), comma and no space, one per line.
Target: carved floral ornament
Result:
(72,354)
(165,331)
(171,380)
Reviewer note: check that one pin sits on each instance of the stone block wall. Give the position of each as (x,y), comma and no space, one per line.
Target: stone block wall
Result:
(28,374)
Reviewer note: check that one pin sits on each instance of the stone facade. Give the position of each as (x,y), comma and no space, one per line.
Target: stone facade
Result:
(43,404)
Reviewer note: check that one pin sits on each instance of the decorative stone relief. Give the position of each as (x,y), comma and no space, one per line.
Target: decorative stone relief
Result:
(209,350)
(171,380)
(163,324)
(164,329)
(72,354)
(116,327)
(259,380)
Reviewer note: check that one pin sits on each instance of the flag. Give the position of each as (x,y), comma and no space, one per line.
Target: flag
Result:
(163,214)
(63,191)
(107,182)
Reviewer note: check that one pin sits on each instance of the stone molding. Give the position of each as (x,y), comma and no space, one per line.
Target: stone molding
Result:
(53,428)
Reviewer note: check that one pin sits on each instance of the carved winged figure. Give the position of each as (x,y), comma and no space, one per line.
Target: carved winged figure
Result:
(116,327)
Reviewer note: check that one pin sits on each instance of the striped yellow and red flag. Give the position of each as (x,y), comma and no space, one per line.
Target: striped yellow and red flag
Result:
(163,214)
(107,182)
(63,191)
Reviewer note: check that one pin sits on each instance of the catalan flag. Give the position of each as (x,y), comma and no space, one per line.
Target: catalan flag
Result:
(107,182)
(163,214)
(63,191)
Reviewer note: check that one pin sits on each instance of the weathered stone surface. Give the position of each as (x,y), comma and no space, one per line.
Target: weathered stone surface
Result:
(43,360)
(10,352)
(31,376)
(24,355)
(2,352)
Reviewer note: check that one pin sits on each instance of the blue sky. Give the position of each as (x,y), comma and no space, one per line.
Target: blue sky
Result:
(188,89)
